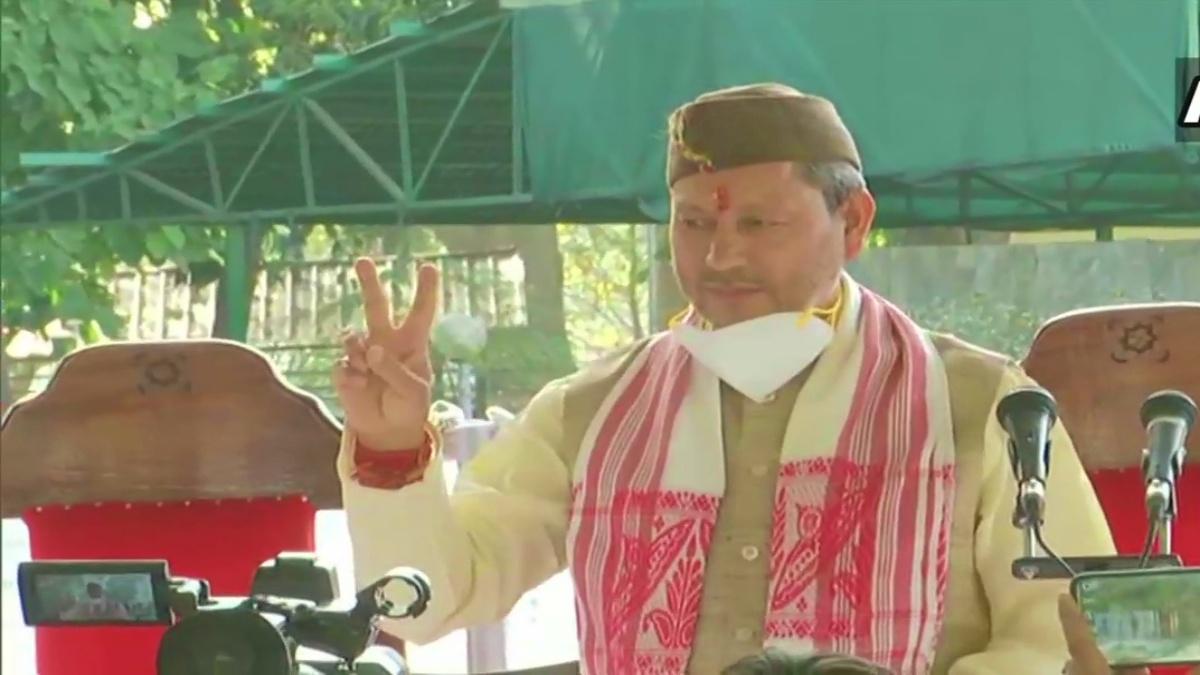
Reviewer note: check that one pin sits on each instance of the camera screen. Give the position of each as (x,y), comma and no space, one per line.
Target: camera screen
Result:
(70,593)
(1145,618)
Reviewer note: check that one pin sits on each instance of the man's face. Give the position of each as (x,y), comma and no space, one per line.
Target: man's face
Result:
(756,240)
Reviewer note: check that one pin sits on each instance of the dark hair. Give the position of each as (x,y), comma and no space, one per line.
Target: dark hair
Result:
(773,661)
(94,590)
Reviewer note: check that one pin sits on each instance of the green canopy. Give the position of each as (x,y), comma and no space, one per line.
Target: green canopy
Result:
(985,111)
(1015,115)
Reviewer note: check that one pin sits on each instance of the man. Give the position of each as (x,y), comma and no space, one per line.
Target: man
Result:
(794,464)
(96,606)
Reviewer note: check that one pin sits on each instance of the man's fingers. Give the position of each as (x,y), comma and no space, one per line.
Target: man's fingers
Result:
(1086,657)
(425,302)
(392,371)
(356,351)
(346,378)
(377,307)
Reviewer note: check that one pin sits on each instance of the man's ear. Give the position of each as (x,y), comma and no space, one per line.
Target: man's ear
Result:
(858,215)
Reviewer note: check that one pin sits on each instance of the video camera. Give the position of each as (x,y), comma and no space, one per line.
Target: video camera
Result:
(293,604)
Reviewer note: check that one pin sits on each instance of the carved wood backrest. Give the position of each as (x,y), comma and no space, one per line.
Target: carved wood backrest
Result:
(1102,363)
(166,421)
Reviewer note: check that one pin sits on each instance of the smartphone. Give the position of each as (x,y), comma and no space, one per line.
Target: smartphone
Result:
(1147,617)
(94,593)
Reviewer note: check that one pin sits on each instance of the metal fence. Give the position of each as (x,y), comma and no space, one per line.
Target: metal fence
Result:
(299,309)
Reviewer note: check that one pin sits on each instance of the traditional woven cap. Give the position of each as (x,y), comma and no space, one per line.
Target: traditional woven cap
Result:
(754,124)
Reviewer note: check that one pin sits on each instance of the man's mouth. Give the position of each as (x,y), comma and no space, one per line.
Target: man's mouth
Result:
(732,291)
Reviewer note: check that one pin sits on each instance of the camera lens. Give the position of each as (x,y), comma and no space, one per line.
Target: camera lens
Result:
(227,642)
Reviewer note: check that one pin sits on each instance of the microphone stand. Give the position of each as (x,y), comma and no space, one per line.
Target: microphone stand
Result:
(1167,415)
(1028,514)
(1161,502)
(1160,520)
(1037,562)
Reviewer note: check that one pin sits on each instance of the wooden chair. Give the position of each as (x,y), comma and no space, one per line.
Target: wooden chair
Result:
(193,451)
(1101,364)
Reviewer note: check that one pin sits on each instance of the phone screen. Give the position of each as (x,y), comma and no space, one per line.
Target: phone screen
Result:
(1144,617)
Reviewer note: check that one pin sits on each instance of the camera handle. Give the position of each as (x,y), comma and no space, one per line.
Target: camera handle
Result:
(401,593)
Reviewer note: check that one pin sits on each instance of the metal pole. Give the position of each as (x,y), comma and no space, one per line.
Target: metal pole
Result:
(652,291)
(237,279)
(1032,549)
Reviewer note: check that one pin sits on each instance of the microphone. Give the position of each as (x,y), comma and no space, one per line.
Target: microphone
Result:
(1167,416)
(1028,414)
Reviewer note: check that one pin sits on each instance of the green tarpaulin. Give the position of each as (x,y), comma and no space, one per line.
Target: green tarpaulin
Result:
(1008,114)
(926,86)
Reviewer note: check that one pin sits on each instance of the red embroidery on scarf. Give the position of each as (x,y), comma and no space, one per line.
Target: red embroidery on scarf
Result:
(800,532)
(668,574)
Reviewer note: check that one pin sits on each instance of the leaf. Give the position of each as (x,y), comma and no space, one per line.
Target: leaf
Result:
(175,235)
(157,244)
(35,75)
(126,243)
(74,303)
(111,323)
(217,69)
(124,15)
(74,88)
(71,239)
(186,35)
(66,36)
(33,36)
(30,121)
(104,33)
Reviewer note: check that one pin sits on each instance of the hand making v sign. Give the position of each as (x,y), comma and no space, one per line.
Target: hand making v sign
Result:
(383,380)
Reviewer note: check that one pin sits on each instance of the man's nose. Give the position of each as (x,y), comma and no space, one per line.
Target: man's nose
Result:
(726,250)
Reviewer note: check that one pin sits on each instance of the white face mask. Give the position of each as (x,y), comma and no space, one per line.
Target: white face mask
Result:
(758,356)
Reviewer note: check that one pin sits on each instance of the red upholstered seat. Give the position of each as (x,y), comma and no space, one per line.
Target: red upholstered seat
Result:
(221,541)
(195,452)
(1101,364)
(1121,493)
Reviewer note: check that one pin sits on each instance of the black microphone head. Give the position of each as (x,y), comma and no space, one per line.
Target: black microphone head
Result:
(1025,400)
(1169,403)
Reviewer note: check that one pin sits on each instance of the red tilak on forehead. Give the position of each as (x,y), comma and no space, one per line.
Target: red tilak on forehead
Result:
(721,195)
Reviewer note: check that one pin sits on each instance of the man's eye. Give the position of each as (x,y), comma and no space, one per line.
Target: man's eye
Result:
(693,223)
(753,222)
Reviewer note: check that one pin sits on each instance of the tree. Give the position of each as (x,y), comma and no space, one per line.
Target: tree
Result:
(89,75)
(605,285)
(79,75)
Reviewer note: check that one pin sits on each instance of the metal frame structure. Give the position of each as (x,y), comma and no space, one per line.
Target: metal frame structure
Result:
(427,127)
(325,145)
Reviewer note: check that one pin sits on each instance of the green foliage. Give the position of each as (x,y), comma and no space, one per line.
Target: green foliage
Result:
(64,273)
(81,74)
(88,75)
(606,296)
(980,320)
(519,361)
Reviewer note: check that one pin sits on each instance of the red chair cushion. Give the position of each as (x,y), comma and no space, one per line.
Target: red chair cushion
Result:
(1122,495)
(223,541)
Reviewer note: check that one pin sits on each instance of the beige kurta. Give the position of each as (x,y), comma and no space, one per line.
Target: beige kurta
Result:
(504,531)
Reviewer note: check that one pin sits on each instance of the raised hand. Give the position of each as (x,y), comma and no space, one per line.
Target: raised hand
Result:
(383,381)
